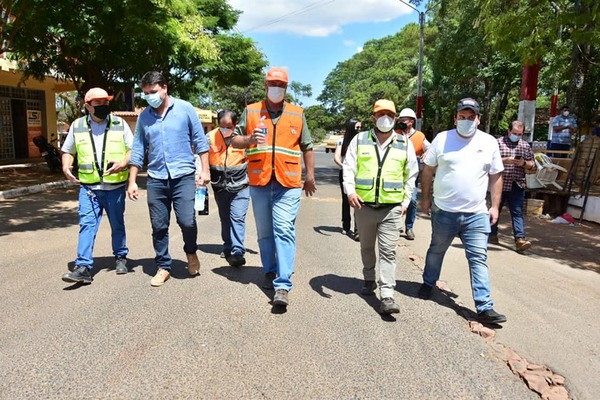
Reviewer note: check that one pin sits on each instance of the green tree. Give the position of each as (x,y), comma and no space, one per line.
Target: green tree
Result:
(115,41)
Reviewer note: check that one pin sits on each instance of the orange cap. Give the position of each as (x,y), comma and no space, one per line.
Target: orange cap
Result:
(384,105)
(97,93)
(277,74)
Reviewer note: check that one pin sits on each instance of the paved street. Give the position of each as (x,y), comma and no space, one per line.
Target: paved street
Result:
(217,336)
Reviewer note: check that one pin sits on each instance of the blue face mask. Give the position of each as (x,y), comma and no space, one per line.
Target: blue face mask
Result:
(153,99)
(514,138)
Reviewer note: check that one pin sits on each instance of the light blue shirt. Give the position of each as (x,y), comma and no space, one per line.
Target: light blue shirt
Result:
(563,136)
(169,140)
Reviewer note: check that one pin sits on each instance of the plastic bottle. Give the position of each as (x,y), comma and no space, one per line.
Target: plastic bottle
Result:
(200,201)
(261,125)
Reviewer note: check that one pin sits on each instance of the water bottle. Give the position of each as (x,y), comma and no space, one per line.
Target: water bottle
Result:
(261,125)
(201,196)
(204,211)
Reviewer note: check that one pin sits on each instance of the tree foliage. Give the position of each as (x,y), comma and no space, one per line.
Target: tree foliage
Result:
(100,43)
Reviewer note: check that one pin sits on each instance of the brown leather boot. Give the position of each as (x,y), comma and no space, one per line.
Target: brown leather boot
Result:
(193,264)
(522,244)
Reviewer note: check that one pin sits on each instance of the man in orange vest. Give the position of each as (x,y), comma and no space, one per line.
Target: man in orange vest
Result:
(407,118)
(229,180)
(277,137)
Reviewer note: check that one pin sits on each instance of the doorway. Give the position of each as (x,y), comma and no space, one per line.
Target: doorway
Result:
(19,119)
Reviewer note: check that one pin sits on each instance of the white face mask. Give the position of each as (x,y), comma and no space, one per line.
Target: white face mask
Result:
(385,123)
(275,94)
(466,128)
(565,113)
(226,132)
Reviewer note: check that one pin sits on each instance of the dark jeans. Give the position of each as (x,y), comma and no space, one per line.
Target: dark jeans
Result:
(232,212)
(346,218)
(178,192)
(558,146)
(515,199)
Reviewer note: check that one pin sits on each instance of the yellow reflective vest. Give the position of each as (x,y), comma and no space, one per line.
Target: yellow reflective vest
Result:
(114,149)
(381,182)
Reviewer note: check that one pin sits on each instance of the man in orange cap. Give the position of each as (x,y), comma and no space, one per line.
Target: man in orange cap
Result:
(379,177)
(102,144)
(276,136)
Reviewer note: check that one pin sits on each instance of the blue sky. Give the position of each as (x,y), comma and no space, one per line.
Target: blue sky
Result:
(310,37)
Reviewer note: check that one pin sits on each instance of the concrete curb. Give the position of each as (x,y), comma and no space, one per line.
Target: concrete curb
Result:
(22,191)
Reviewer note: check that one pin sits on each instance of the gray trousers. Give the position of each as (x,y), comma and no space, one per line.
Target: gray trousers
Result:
(383,224)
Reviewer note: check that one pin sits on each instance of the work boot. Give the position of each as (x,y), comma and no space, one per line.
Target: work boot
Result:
(368,288)
(268,280)
(193,264)
(236,260)
(493,238)
(490,317)
(522,244)
(410,235)
(80,274)
(162,275)
(281,298)
(389,306)
(121,266)
(356,237)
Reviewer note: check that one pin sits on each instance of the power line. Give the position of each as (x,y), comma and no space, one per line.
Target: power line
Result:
(303,10)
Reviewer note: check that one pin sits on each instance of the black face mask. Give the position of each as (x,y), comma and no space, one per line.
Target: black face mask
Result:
(101,112)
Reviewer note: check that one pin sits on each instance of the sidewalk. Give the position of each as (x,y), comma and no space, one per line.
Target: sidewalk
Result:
(28,178)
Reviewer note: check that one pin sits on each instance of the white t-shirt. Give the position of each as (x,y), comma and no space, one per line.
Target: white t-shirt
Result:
(463,169)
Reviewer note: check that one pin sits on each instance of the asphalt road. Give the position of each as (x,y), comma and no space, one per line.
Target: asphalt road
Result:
(217,336)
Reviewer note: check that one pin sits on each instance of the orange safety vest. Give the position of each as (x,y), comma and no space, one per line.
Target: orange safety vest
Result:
(417,140)
(228,168)
(282,156)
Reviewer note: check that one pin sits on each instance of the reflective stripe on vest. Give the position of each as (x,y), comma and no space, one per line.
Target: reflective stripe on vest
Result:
(381,181)
(282,156)
(228,167)
(114,150)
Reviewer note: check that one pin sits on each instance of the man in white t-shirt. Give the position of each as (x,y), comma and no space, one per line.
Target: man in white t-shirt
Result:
(466,161)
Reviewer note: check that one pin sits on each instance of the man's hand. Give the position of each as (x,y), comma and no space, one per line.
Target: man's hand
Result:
(426,205)
(309,187)
(116,166)
(68,171)
(203,179)
(404,208)
(132,191)
(493,215)
(355,201)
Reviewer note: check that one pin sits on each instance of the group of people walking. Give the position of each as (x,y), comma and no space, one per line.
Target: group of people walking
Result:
(272,136)
(258,157)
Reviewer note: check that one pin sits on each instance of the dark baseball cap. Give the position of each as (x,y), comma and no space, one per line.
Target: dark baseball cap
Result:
(468,102)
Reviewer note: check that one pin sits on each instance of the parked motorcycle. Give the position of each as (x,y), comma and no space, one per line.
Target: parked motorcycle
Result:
(50,153)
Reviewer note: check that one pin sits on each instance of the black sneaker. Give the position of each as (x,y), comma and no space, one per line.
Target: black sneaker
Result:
(410,235)
(389,306)
(368,288)
(121,266)
(425,292)
(78,275)
(281,298)
(268,280)
(493,239)
(236,260)
(490,317)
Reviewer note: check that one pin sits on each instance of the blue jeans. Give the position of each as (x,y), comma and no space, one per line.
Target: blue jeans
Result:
(232,212)
(411,211)
(473,230)
(91,205)
(180,193)
(515,199)
(275,210)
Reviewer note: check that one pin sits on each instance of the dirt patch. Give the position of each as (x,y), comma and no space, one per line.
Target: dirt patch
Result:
(15,177)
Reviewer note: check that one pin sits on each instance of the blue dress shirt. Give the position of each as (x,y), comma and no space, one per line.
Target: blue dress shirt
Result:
(169,140)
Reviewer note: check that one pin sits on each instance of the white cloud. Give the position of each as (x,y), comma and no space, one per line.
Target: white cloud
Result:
(359,49)
(349,43)
(312,17)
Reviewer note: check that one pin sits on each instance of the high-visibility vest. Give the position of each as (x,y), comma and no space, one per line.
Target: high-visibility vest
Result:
(417,139)
(282,157)
(228,168)
(380,182)
(114,150)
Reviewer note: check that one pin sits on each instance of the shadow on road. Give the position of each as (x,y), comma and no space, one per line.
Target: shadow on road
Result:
(345,285)
(327,230)
(212,248)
